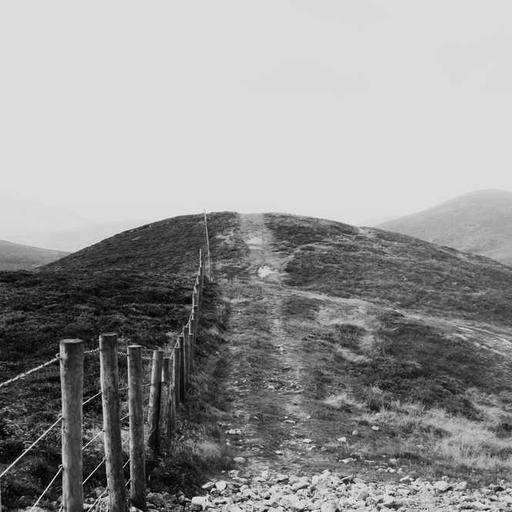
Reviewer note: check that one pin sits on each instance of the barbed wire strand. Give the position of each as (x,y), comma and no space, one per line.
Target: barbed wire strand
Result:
(28,372)
(40,367)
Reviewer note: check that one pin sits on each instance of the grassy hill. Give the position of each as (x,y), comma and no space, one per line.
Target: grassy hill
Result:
(479,222)
(406,335)
(23,257)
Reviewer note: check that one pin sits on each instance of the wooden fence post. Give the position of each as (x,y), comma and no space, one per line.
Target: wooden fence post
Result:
(181,364)
(176,372)
(193,333)
(165,395)
(136,411)
(195,307)
(171,425)
(72,379)
(154,403)
(190,347)
(109,371)
(197,291)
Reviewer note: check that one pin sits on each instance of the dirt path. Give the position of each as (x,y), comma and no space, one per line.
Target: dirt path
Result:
(272,422)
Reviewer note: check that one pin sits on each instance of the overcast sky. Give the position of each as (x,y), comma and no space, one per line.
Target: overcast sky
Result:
(351,110)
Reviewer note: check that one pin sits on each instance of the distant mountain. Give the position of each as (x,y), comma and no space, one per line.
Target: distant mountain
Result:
(40,225)
(479,223)
(78,238)
(23,257)
(20,217)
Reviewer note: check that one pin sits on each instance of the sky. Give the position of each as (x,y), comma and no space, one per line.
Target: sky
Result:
(354,110)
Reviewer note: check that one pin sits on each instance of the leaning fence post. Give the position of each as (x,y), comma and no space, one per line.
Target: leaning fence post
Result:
(136,411)
(154,403)
(72,379)
(109,371)
(164,400)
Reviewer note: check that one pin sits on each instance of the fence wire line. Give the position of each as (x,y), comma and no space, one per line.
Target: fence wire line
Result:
(52,481)
(40,367)
(86,445)
(28,372)
(91,398)
(90,475)
(40,438)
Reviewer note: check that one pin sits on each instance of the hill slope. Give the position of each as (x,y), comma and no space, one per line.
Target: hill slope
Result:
(480,223)
(23,257)
(370,349)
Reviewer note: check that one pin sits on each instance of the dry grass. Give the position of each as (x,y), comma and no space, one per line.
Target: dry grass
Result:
(439,436)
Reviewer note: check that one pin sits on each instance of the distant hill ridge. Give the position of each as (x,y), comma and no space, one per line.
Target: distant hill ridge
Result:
(24,257)
(479,222)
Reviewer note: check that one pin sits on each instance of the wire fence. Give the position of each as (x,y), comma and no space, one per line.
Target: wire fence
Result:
(156,400)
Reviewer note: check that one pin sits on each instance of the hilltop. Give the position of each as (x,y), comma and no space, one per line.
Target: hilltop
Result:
(325,346)
(24,257)
(479,222)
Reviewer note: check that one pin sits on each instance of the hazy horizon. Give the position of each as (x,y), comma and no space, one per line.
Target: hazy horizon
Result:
(357,111)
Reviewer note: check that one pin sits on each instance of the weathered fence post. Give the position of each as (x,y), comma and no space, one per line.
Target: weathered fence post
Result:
(197,291)
(181,354)
(154,403)
(72,380)
(195,307)
(109,371)
(186,338)
(171,426)
(136,411)
(190,347)
(192,334)
(165,394)
(176,372)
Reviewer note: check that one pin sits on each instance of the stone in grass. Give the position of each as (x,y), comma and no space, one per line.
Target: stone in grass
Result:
(239,460)
(361,494)
(199,502)
(329,506)
(461,486)
(221,485)
(208,485)
(390,502)
(442,486)
(301,484)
